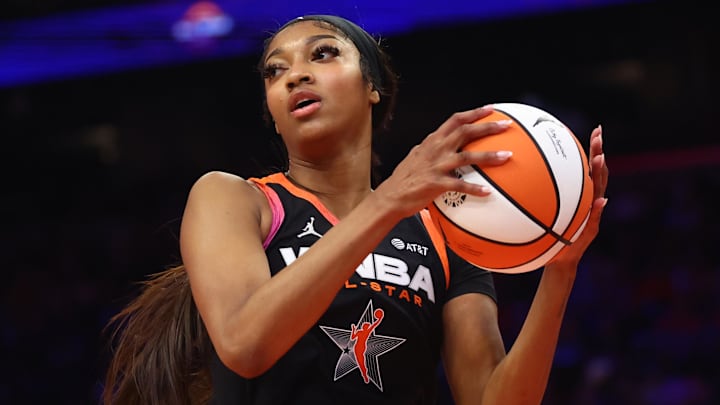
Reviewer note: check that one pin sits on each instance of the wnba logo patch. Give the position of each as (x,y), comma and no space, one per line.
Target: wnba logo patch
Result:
(454,198)
(360,347)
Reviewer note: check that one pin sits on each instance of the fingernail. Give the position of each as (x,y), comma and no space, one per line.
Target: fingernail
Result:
(504,123)
(605,200)
(487,107)
(503,154)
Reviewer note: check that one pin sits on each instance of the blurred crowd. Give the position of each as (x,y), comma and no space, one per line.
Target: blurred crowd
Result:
(96,172)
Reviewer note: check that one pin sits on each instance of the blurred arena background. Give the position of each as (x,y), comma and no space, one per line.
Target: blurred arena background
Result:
(110,109)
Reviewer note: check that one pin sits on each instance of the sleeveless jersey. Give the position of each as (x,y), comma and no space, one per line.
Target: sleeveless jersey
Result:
(379,341)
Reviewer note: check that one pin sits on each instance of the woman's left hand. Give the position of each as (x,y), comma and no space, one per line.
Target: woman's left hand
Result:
(599,172)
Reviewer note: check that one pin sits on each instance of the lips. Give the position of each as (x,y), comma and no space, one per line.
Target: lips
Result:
(302,99)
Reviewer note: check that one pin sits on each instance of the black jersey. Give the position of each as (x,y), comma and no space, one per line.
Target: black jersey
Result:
(379,341)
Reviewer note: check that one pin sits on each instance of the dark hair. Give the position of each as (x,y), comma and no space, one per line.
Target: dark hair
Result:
(160,347)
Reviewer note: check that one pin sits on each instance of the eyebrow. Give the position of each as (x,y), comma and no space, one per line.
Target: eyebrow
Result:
(309,40)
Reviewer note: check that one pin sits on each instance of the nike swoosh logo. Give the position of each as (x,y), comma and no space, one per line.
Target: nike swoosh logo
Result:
(543,119)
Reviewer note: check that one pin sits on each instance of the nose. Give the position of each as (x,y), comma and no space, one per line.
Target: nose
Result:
(298,75)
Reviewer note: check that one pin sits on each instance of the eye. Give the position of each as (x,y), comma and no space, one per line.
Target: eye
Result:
(323,52)
(271,71)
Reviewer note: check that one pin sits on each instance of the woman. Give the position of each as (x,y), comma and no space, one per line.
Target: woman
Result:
(292,290)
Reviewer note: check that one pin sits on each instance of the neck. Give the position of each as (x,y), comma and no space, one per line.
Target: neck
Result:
(340,185)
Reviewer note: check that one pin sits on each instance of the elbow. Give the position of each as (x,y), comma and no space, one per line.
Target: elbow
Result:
(246,360)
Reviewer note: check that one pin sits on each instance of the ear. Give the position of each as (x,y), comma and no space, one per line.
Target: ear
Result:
(374,96)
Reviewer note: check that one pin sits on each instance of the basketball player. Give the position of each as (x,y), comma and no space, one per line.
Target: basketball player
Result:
(278,271)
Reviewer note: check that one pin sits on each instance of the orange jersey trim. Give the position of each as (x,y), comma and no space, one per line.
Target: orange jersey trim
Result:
(281,179)
(439,243)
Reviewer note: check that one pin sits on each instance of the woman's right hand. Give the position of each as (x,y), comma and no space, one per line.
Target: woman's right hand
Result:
(428,169)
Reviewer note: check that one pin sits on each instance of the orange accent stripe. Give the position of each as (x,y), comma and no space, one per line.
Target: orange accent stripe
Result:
(439,243)
(281,179)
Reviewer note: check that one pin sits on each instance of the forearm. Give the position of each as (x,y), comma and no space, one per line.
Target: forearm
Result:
(522,376)
(299,294)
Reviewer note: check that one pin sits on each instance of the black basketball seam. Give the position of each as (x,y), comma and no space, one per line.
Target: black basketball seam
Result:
(442,230)
(548,229)
(480,236)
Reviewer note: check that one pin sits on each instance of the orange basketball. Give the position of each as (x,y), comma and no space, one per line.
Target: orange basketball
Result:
(540,201)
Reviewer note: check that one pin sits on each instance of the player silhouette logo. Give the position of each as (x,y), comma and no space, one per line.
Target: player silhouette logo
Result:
(309,229)
(360,337)
(361,347)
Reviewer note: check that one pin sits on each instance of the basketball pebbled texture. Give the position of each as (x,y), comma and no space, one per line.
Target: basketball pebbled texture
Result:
(540,200)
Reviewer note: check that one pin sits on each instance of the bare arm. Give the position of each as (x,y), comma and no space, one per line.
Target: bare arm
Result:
(254,319)
(472,345)
(478,370)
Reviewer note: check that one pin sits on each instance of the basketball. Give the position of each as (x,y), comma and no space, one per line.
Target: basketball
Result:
(540,199)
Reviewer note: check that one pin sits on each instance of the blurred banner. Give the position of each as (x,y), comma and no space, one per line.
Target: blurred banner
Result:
(131,37)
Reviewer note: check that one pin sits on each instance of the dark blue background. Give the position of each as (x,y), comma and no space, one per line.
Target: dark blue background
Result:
(97,164)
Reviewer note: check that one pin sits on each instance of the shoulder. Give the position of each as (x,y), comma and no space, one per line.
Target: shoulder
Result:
(224,205)
(216,179)
(225,192)
(219,184)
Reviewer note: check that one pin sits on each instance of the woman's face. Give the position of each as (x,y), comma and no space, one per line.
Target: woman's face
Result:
(314,85)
